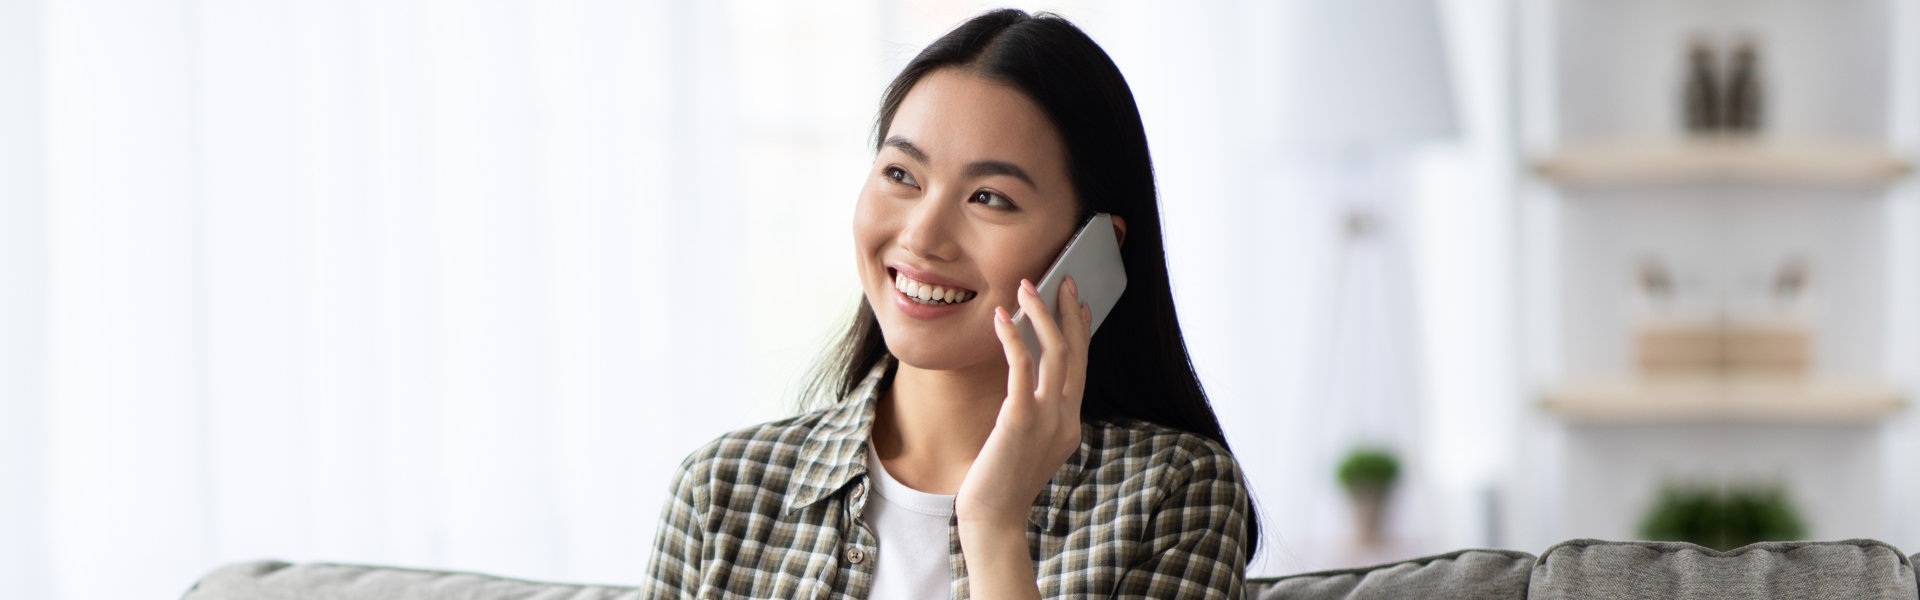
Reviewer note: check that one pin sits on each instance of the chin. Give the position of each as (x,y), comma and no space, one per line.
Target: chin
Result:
(938,348)
(921,356)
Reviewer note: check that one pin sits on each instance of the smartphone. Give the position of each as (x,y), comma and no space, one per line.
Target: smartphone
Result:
(1092,257)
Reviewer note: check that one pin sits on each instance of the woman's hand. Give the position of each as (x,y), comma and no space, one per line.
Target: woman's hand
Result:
(1038,428)
(1039,423)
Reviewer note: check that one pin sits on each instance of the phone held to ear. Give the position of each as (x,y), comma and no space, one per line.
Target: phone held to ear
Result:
(1092,257)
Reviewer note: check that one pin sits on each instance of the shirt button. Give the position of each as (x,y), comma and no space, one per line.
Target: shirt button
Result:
(855,555)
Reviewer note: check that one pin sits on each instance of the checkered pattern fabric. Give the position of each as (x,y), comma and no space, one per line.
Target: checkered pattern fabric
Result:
(773,511)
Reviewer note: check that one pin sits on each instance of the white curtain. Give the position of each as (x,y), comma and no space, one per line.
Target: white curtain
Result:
(457,285)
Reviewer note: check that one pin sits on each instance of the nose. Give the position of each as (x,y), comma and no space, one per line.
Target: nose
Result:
(928,232)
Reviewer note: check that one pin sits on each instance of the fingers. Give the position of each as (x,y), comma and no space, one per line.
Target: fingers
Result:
(1075,319)
(1053,344)
(1019,364)
(1076,322)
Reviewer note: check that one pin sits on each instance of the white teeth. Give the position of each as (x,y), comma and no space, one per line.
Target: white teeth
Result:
(927,293)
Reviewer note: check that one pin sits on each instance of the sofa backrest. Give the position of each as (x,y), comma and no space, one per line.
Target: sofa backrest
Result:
(1575,569)
(275,580)
(1850,569)
(1854,569)
(1489,574)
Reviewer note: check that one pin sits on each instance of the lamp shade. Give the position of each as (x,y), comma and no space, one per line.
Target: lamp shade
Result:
(1364,73)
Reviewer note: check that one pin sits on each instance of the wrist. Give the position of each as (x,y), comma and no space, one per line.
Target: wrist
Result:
(984,516)
(1001,527)
(999,559)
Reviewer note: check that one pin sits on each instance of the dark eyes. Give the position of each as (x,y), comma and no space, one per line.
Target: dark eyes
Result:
(990,199)
(900,176)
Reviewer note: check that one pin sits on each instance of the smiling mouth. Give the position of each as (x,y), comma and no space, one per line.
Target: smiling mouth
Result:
(929,294)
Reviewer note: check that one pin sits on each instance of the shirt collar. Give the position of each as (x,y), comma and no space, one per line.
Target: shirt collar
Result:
(834,454)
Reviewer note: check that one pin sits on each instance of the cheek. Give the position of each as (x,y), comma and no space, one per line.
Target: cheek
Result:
(870,227)
(1014,260)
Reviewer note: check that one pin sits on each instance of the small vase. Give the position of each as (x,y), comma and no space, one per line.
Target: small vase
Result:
(1370,513)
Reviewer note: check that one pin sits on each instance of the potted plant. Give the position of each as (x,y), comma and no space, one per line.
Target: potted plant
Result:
(1722,518)
(1368,475)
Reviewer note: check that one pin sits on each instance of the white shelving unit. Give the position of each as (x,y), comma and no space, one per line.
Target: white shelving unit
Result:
(1610,180)
(1712,400)
(1723,161)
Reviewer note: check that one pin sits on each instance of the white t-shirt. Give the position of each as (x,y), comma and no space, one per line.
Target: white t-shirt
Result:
(911,561)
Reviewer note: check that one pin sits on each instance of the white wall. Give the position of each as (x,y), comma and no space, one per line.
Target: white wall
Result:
(23,307)
(453,285)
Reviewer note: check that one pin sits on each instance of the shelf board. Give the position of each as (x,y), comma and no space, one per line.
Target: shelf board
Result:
(1832,163)
(1713,399)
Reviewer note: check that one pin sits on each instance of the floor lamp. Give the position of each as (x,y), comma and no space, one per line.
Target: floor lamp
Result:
(1366,81)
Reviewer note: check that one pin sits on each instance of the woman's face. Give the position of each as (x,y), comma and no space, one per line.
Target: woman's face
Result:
(968,195)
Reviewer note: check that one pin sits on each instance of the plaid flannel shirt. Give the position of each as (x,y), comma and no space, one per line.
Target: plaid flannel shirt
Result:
(773,511)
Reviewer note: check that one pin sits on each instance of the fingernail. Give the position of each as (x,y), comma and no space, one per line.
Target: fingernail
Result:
(1073,289)
(1000,314)
(1028,286)
(1086,314)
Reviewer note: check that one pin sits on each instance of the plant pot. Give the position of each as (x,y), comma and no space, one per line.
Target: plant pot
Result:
(1370,513)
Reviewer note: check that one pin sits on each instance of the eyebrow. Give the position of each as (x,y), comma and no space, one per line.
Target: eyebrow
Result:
(981,168)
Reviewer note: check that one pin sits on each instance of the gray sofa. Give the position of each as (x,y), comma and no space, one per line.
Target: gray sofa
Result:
(1851,569)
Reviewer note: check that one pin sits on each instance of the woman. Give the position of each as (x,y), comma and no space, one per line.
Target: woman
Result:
(954,462)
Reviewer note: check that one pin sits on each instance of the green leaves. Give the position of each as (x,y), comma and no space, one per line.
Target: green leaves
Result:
(1723,517)
(1369,468)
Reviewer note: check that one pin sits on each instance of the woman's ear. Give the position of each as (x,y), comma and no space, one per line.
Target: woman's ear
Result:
(1119,229)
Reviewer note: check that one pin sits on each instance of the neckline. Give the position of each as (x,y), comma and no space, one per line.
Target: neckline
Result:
(899,494)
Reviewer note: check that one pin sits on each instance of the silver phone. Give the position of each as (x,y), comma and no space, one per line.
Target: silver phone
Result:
(1092,257)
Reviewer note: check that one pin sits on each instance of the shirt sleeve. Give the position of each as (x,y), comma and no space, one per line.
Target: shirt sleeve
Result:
(1195,543)
(674,571)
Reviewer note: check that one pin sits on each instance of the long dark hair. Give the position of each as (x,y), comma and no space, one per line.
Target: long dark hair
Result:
(1137,366)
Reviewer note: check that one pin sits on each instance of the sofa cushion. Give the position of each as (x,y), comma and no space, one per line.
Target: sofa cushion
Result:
(274,580)
(1622,570)
(1460,574)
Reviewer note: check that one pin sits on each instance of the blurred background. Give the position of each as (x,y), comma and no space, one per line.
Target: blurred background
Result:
(457,284)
